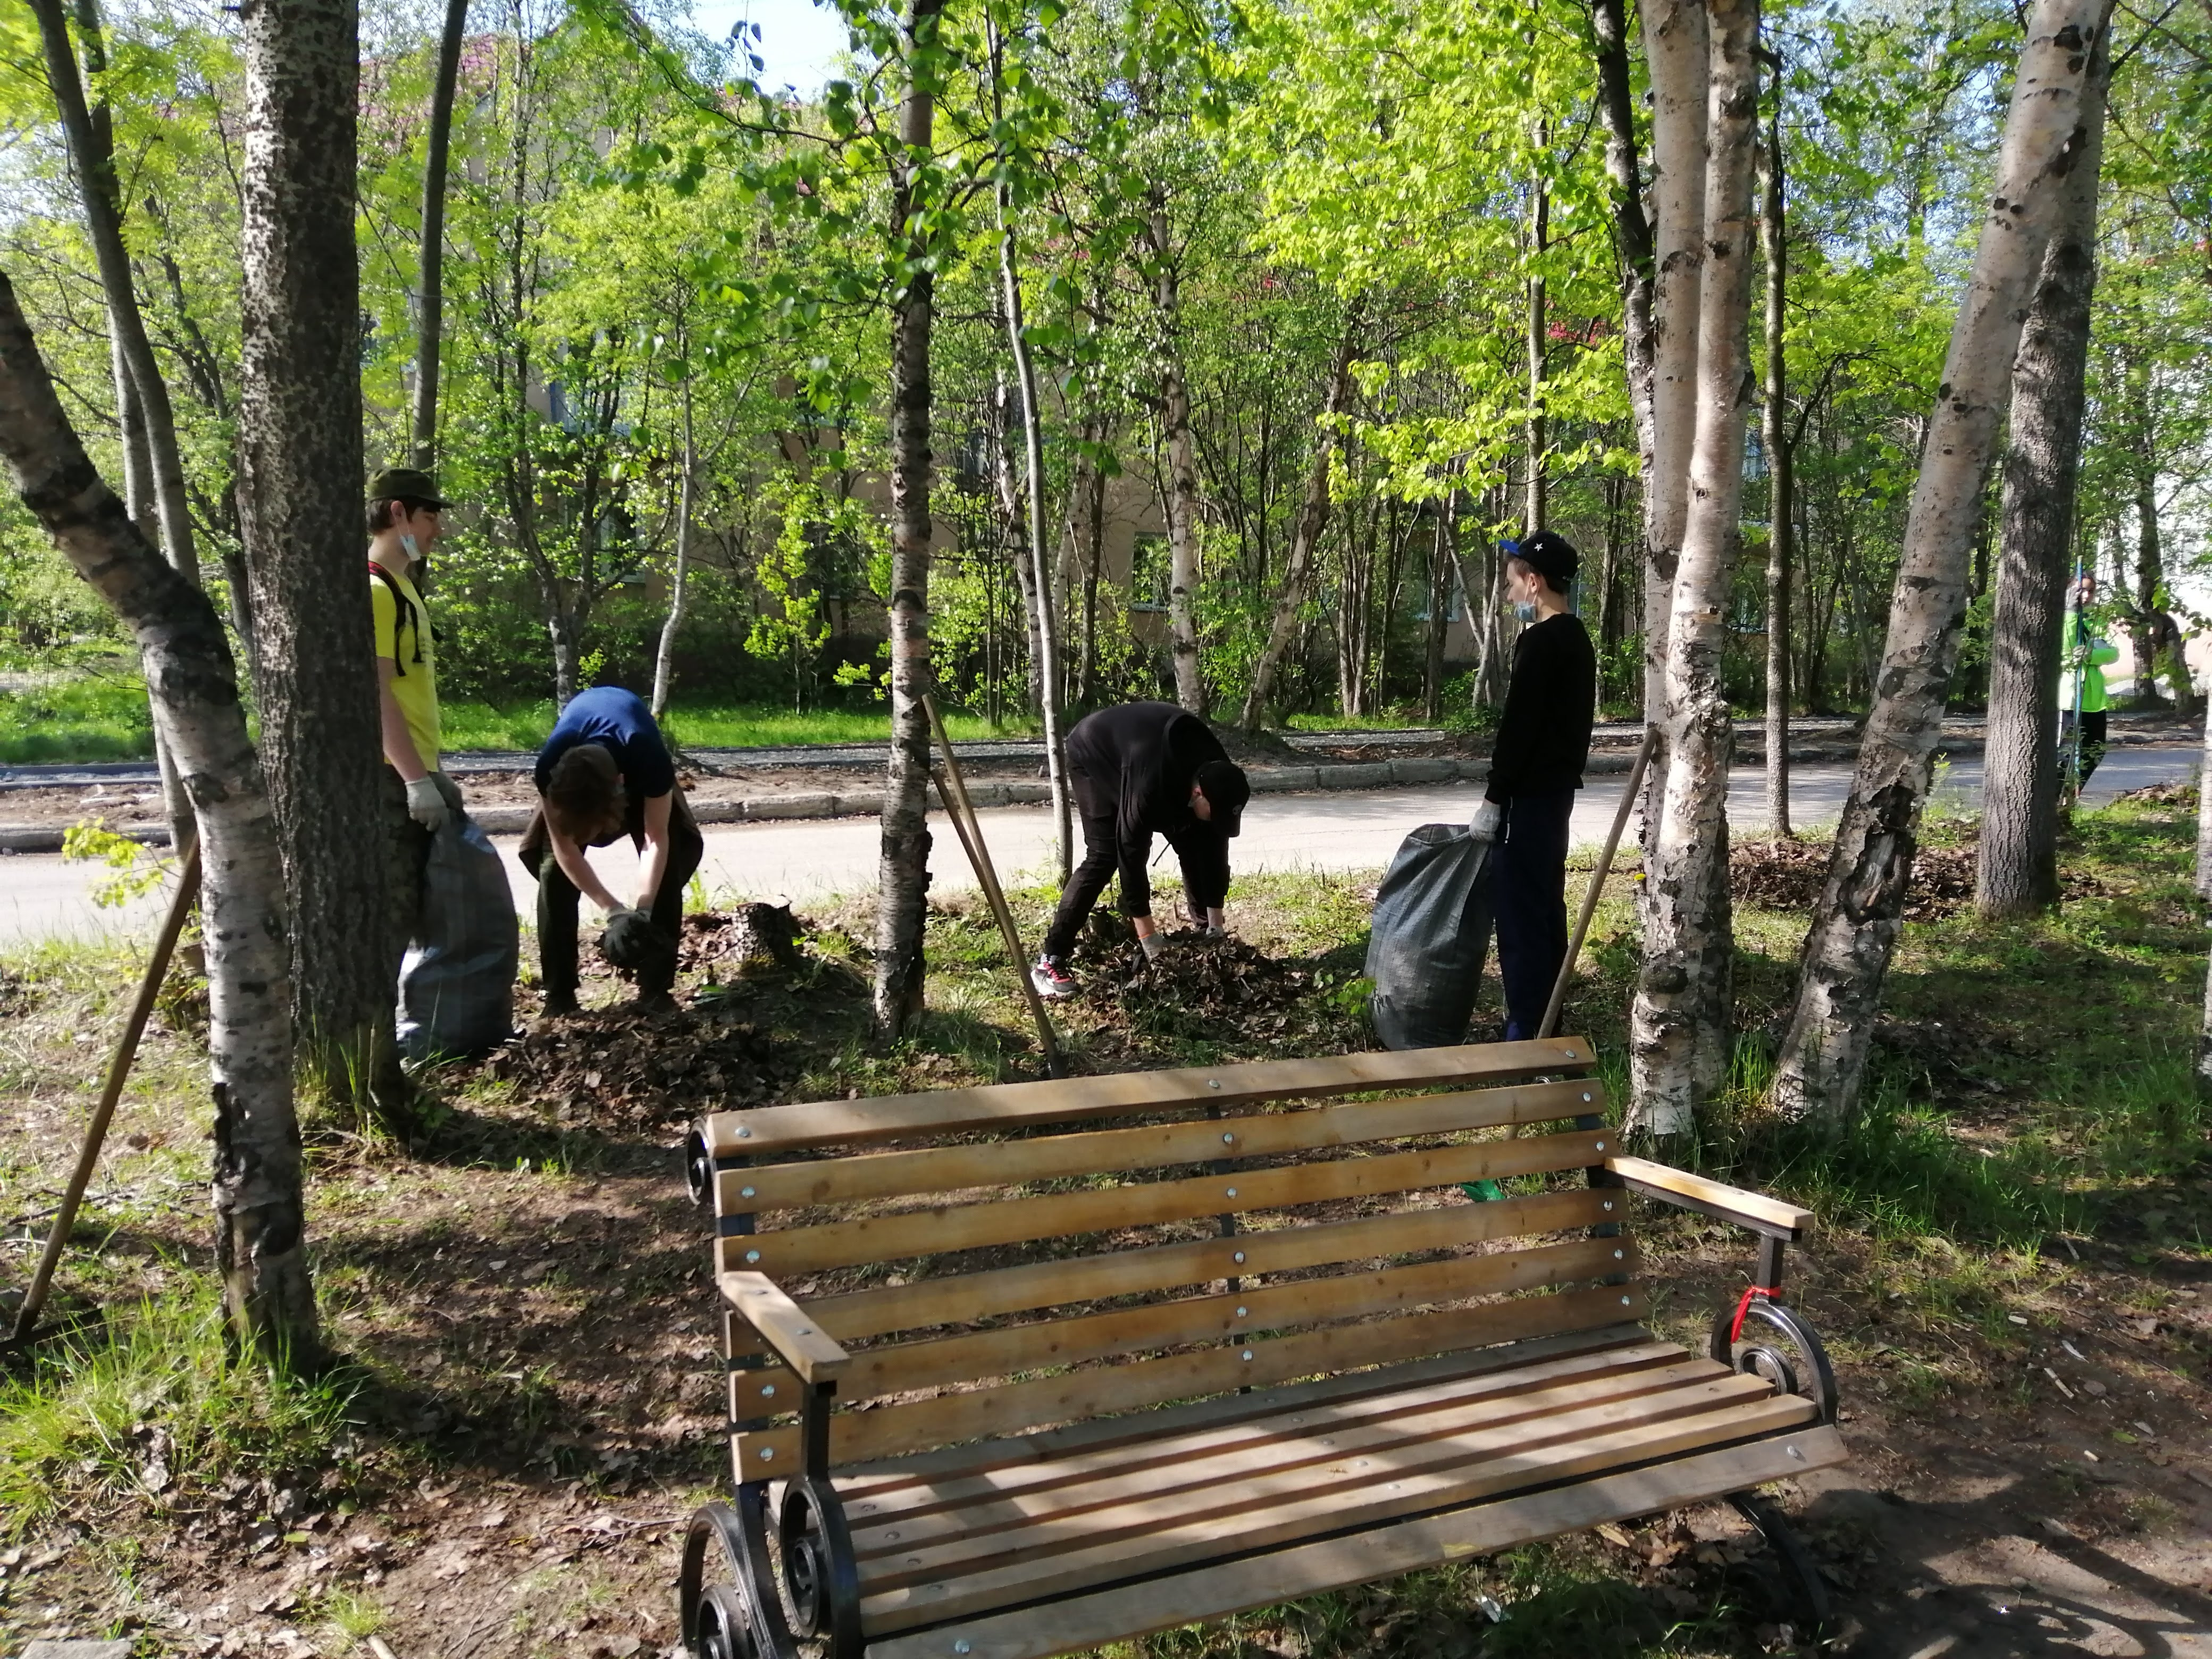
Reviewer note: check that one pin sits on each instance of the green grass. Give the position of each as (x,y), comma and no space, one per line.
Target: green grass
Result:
(95,716)
(149,1401)
(523,726)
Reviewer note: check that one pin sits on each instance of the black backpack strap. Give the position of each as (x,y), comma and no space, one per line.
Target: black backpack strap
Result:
(406,616)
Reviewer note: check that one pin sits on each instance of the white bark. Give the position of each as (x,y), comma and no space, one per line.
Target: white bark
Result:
(1854,925)
(663,659)
(261,1240)
(1679,1027)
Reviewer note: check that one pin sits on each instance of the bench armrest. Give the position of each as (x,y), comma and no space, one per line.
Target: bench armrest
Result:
(798,1339)
(1770,1216)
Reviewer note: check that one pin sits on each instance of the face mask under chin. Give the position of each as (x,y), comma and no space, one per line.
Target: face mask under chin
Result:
(1524,609)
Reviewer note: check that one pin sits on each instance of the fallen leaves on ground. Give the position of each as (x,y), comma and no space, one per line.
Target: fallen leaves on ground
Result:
(618,1066)
(1787,875)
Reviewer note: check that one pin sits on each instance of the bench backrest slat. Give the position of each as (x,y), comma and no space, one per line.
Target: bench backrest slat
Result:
(866,1175)
(999,1259)
(942,1229)
(965,1299)
(1068,1397)
(1006,1107)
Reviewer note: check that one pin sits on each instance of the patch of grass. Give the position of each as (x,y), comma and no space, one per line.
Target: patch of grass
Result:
(525,726)
(345,1618)
(148,1404)
(94,715)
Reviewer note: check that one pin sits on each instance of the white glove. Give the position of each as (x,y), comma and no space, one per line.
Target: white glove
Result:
(1487,817)
(426,802)
(1152,943)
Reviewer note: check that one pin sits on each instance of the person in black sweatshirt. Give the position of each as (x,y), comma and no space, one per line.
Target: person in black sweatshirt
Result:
(1143,769)
(1543,743)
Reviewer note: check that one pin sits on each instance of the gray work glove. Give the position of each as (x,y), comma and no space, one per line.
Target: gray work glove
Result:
(1152,943)
(1488,818)
(426,802)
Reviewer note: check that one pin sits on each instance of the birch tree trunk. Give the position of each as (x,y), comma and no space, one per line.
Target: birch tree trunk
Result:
(260,1217)
(1681,1024)
(1855,925)
(1014,516)
(2017,869)
(902,896)
(1313,518)
(300,509)
(663,659)
(92,153)
(2204,809)
(430,320)
(1048,628)
(1180,495)
(1781,483)
(1533,517)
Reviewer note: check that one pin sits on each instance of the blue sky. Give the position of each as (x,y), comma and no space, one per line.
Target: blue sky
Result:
(799,40)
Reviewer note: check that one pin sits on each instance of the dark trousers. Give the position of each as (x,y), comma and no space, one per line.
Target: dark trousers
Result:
(1203,885)
(558,900)
(2094,733)
(407,855)
(1528,894)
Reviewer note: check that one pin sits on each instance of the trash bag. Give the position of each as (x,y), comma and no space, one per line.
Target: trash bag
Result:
(457,983)
(1431,933)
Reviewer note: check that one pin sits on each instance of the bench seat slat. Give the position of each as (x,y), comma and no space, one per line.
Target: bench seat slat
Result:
(871,1503)
(865,1176)
(1053,1342)
(955,1519)
(1216,1590)
(1006,1106)
(782,1252)
(889,1430)
(960,1299)
(1451,1472)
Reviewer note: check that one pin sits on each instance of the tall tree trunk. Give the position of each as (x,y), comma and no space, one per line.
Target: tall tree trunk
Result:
(1532,516)
(1048,629)
(430,321)
(300,461)
(663,660)
(1441,565)
(1181,494)
(2204,809)
(260,1217)
(1855,925)
(1313,518)
(1781,483)
(2150,566)
(2017,869)
(92,153)
(1674,44)
(1013,516)
(1632,230)
(1681,1024)
(1093,504)
(902,896)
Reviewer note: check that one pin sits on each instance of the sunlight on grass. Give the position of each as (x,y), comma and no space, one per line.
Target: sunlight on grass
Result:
(525,725)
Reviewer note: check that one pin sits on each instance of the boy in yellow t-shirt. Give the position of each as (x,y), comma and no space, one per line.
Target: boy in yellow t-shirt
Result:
(405,522)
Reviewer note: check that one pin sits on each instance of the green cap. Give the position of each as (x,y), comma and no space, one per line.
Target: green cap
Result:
(406,484)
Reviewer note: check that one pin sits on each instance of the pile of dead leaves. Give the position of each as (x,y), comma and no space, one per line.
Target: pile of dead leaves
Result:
(2169,794)
(1787,875)
(618,1068)
(1220,990)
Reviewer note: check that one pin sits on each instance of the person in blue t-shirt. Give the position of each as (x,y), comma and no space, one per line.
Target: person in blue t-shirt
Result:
(606,772)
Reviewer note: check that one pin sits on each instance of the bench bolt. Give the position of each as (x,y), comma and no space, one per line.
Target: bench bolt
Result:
(746,1192)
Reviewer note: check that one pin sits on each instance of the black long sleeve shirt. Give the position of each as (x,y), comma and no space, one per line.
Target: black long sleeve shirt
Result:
(1543,735)
(1137,762)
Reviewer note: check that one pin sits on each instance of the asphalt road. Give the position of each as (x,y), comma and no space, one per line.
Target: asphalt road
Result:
(43,896)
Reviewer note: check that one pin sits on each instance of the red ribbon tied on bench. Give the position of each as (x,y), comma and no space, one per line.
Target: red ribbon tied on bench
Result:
(1736,1327)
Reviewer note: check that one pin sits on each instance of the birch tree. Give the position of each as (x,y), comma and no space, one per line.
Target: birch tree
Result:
(1781,474)
(430,296)
(1854,925)
(2016,871)
(260,1218)
(1680,1027)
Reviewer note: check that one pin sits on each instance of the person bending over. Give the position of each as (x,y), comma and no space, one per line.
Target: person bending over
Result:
(606,772)
(1145,769)
(1543,743)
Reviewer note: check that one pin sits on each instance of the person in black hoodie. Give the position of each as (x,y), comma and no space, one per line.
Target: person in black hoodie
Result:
(1143,769)
(1543,743)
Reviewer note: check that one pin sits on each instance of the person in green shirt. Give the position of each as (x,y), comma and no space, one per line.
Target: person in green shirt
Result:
(2081,685)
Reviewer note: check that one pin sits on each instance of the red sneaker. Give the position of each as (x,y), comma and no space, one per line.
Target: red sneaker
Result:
(1052,979)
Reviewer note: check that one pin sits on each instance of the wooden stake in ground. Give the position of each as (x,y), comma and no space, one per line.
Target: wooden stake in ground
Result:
(118,1070)
(1856,923)
(1628,797)
(952,789)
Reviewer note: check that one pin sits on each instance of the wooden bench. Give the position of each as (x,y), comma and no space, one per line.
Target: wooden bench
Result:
(1020,1370)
